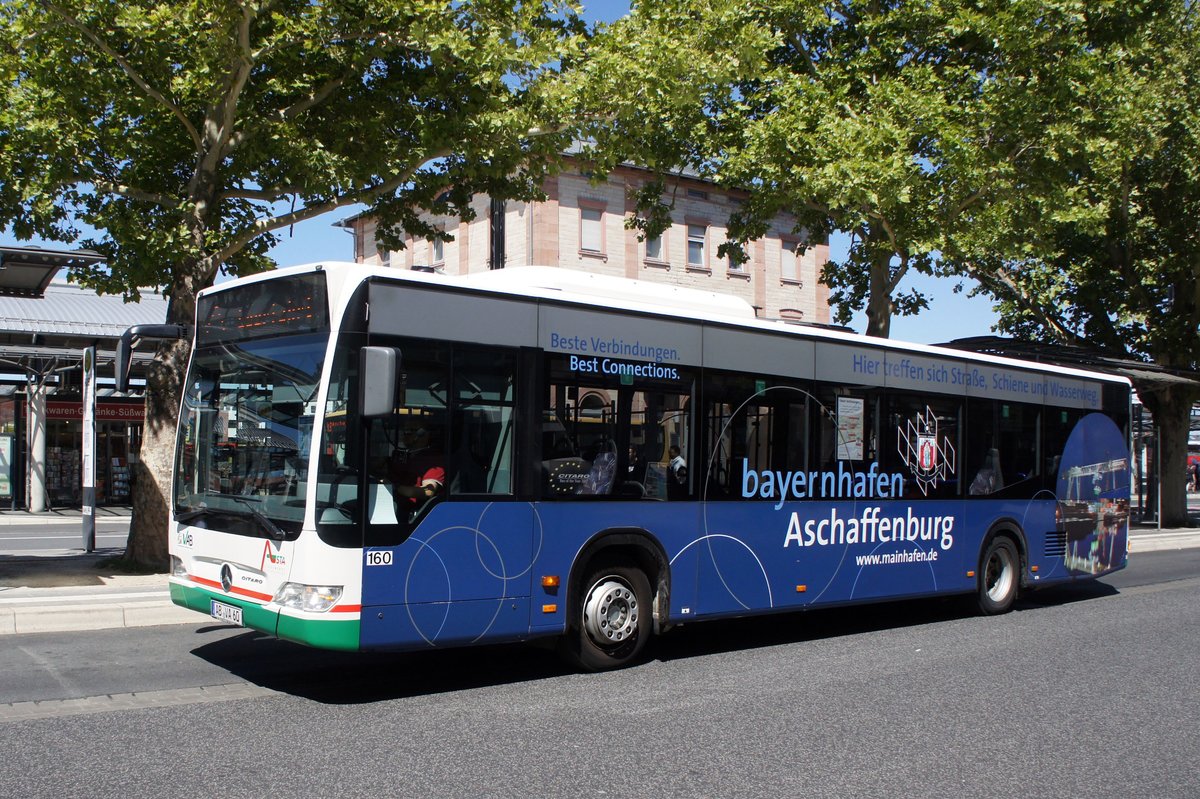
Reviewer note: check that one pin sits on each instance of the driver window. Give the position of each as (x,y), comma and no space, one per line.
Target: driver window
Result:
(407,450)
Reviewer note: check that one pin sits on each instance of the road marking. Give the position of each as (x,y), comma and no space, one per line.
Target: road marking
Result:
(57,537)
(109,703)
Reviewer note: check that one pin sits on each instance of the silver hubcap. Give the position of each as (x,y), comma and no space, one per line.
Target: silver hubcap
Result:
(999,576)
(610,612)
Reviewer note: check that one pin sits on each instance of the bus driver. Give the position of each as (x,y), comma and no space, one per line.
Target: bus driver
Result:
(417,470)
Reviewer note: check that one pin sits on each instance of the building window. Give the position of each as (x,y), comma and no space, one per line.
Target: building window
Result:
(697,234)
(789,262)
(654,249)
(736,266)
(591,229)
(697,194)
(438,248)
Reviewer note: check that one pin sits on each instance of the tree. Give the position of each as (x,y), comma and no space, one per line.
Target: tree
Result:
(873,117)
(187,131)
(1111,258)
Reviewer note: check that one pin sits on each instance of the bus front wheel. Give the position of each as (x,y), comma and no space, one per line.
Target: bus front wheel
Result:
(612,620)
(999,576)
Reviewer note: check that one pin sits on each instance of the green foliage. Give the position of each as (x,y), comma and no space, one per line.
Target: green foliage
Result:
(1111,255)
(870,117)
(947,137)
(187,131)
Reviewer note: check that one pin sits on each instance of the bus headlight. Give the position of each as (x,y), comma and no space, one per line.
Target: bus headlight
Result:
(311,598)
(177,568)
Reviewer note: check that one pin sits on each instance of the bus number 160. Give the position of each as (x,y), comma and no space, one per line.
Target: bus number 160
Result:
(379,557)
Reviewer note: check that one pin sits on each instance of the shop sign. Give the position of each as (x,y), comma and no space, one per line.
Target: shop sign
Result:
(105,412)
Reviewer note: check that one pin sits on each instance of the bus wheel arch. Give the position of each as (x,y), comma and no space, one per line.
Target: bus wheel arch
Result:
(999,578)
(617,597)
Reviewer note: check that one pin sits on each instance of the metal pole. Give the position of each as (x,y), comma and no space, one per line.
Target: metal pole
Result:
(89,449)
(1158,470)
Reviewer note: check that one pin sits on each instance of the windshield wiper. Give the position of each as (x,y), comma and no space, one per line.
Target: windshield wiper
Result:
(187,517)
(273,529)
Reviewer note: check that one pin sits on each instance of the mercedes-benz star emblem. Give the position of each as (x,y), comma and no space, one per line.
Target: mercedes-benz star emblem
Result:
(226,577)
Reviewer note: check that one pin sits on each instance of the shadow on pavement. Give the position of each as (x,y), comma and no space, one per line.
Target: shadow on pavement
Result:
(354,678)
(340,678)
(54,571)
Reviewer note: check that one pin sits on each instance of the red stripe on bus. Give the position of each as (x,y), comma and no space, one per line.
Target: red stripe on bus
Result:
(232,590)
(346,609)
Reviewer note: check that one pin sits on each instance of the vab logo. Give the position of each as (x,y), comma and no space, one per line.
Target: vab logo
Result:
(226,577)
(184,539)
(927,459)
(274,558)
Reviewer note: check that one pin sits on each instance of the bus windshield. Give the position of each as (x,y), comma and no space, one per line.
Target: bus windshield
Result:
(245,428)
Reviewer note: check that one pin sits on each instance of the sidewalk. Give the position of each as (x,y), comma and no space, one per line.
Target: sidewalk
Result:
(67,590)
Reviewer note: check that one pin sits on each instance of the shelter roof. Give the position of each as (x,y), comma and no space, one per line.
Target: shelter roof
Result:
(1144,375)
(69,310)
(27,271)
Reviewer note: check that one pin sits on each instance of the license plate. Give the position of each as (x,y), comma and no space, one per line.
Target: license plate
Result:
(229,613)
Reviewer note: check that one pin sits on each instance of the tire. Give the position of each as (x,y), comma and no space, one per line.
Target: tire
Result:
(999,576)
(611,621)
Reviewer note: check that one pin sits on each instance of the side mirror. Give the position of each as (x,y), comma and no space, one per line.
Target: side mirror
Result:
(377,370)
(134,336)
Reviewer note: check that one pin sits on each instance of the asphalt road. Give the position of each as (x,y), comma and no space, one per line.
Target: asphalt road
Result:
(1087,690)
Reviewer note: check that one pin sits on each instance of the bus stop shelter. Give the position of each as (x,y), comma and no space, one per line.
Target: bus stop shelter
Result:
(45,326)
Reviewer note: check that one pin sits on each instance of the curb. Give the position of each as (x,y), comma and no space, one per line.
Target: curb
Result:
(99,616)
(1161,542)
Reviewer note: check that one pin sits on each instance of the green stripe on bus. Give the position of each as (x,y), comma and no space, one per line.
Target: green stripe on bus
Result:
(324,632)
(254,616)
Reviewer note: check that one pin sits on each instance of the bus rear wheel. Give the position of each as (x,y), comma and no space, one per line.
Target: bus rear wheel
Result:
(612,620)
(999,576)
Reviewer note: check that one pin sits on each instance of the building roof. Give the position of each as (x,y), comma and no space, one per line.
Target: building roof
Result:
(70,310)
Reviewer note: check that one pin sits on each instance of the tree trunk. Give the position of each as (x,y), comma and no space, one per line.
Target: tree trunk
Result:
(879,298)
(1172,408)
(151,486)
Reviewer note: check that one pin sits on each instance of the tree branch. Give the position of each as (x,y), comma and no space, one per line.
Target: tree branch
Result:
(219,139)
(809,63)
(263,195)
(364,195)
(1001,283)
(315,98)
(134,193)
(129,70)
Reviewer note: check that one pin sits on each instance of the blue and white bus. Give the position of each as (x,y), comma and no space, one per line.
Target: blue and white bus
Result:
(379,460)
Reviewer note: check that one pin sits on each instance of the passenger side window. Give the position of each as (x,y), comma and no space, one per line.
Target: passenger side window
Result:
(481,454)
(1002,455)
(753,425)
(615,433)
(924,447)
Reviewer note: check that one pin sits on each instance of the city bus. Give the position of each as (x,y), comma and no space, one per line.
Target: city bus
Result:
(372,459)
